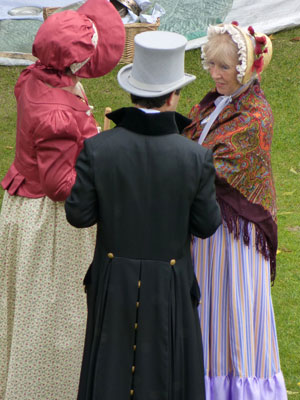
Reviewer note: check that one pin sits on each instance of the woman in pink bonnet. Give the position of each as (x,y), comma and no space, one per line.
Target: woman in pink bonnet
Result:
(43,259)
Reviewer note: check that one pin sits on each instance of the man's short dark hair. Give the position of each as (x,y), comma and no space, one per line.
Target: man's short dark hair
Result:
(152,102)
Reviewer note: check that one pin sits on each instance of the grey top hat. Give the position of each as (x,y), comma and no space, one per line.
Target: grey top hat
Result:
(158,65)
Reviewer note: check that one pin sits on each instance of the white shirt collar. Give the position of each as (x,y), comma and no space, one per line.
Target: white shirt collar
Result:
(149,110)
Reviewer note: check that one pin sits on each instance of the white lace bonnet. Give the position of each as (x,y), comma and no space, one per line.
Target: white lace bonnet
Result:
(254,49)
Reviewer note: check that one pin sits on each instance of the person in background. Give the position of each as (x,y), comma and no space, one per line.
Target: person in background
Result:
(236,265)
(42,258)
(148,189)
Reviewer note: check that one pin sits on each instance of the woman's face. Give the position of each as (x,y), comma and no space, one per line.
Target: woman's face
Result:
(225,76)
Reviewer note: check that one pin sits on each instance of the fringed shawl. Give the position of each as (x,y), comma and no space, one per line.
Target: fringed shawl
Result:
(241,140)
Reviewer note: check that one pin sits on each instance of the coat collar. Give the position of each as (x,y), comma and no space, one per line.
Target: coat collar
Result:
(135,120)
(41,90)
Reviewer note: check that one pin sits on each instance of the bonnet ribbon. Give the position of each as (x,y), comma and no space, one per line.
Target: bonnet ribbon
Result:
(221,102)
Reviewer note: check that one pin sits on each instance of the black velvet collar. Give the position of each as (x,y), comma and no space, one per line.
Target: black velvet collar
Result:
(135,120)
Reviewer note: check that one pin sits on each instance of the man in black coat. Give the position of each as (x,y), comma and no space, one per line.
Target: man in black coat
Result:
(148,189)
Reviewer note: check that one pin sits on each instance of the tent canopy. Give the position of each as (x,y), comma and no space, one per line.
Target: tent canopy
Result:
(188,17)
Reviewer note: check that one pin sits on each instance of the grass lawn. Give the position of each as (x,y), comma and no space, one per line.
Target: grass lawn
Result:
(281,83)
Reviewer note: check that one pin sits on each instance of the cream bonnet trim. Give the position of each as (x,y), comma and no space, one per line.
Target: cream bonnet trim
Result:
(237,38)
(76,66)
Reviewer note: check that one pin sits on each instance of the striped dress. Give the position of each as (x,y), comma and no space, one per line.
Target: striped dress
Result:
(240,347)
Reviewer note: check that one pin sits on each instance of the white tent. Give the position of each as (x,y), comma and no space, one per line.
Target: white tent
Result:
(267,16)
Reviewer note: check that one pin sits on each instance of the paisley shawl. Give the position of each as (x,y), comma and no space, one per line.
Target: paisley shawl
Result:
(241,138)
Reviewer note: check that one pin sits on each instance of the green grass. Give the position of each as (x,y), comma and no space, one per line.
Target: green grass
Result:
(281,83)
(282,88)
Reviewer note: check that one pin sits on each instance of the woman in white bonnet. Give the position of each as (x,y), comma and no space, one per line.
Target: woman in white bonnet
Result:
(236,266)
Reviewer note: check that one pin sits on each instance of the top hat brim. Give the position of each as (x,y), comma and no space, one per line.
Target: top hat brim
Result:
(147,91)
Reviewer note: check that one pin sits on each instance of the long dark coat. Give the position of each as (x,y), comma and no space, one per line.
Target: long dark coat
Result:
(148,189)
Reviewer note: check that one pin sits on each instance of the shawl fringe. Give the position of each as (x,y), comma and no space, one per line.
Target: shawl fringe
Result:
(239,226)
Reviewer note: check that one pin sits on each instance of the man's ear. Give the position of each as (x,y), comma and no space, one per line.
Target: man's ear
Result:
(172,101)
(169,100)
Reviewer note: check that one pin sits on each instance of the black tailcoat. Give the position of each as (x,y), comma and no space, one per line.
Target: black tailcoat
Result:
(148,189)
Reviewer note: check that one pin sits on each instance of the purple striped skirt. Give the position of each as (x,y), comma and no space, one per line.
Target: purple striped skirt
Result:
(240,346)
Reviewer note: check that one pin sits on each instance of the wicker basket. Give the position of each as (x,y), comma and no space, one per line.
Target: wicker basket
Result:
(48,11)
(131,31)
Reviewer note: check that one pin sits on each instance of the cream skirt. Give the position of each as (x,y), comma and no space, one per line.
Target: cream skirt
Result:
(43,261)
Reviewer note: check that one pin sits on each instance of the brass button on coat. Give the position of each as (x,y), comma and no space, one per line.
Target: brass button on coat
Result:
(131,392)
(110,255)
(172,262)
(133,369)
